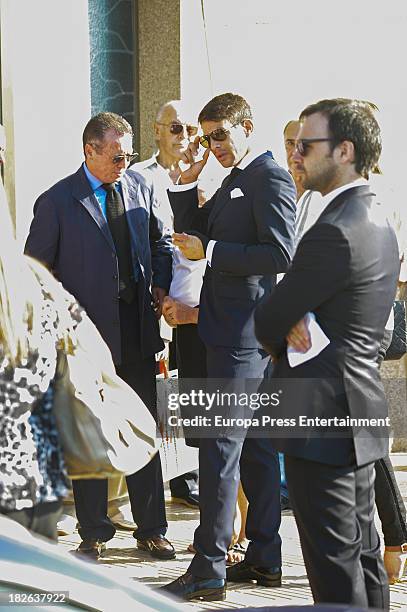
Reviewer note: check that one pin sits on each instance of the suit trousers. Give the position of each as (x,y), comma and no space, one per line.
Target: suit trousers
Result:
(191,361)
(389,502)
(145,487)
(334,510)
(219,478)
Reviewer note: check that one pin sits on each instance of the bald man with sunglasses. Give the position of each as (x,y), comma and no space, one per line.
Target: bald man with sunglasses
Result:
(174,129)
(245,232)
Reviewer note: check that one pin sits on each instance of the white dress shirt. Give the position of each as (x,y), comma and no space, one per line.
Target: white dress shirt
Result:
(187,275)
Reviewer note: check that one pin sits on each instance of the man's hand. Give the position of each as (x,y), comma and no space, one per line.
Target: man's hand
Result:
(298,337)
(190,174)
(190,246)
(158,298)
(176,313)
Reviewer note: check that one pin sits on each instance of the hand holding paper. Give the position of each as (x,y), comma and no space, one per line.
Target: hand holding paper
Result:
(305,341)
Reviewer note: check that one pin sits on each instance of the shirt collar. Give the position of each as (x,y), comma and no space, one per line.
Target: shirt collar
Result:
(327,199)
(248,158)
(95,183)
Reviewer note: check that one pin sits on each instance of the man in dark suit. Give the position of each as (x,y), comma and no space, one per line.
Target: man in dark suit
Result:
(344,272)
(246,234)
(98,231)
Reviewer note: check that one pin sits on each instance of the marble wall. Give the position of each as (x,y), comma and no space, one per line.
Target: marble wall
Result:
(112,57)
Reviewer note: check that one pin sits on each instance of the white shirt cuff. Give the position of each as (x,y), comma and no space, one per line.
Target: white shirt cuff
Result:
(209,251)
(185,187)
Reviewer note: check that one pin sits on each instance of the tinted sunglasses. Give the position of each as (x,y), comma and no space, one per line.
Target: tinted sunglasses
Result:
(218,135)
(178,128)
(302,145)
(128,157)
(117,159)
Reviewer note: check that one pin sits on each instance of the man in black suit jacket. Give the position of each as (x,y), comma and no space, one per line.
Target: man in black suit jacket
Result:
(246,234)
(344,272)
(99,232)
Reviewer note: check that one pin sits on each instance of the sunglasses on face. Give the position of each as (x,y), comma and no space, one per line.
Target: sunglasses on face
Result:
(218,135)
(117,159)
(128,158)
(303,144)
(178,128)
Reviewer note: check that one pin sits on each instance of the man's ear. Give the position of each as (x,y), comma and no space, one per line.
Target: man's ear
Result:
(347,151)
(89,151)
(156,131)
(248,127)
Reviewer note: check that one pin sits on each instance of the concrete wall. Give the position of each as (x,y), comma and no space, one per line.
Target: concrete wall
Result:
(157,63)
(45,96)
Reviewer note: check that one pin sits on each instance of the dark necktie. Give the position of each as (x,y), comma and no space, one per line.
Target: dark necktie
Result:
(116,218)
(231,176)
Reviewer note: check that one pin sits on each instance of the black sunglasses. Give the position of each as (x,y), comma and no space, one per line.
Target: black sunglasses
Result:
(217,135)
(128,158)
(302,145)
(177,128)
(117,159)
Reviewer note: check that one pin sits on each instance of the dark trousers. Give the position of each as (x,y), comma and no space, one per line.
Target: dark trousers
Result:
(334,511)
(41,519)
(145,487)
(219,479)
(191,361)
(390,505)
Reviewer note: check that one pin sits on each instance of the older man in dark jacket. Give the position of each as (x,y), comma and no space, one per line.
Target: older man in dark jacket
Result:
(98,231)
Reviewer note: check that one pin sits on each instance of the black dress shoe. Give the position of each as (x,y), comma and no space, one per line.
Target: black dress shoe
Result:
(91,548)
(158,547)
(244,572)
(189,587)
(190,499)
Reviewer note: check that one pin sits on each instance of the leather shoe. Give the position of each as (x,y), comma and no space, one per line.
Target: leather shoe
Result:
(91,548)
(189,587)
(190,499)
(244,572)
(158,547)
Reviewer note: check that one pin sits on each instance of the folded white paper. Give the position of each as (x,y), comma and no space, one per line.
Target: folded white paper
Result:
(319,341)
(236,193)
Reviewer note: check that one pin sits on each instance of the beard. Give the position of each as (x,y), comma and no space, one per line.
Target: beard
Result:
(321,176)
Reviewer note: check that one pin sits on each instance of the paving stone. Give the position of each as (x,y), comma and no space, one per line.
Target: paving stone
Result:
(123,555)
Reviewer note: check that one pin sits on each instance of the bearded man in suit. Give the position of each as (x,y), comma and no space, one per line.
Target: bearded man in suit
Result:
(345,273)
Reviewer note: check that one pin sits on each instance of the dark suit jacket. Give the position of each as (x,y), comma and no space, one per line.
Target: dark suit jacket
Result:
(254,234)
(71,236)
(345,271)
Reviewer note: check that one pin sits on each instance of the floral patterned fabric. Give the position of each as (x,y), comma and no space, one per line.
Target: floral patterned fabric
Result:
(32,467)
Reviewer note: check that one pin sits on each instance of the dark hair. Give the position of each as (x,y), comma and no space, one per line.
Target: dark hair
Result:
(228,106)
(97,126)
(352,120)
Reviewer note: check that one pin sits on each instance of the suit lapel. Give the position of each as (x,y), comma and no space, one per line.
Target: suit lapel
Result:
(132,199)
(82,191)
(222,197)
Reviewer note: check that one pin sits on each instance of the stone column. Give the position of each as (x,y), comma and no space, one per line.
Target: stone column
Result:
(157,63)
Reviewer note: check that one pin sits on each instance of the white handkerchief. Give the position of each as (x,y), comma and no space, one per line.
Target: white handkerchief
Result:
(236,193)
(319,341)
